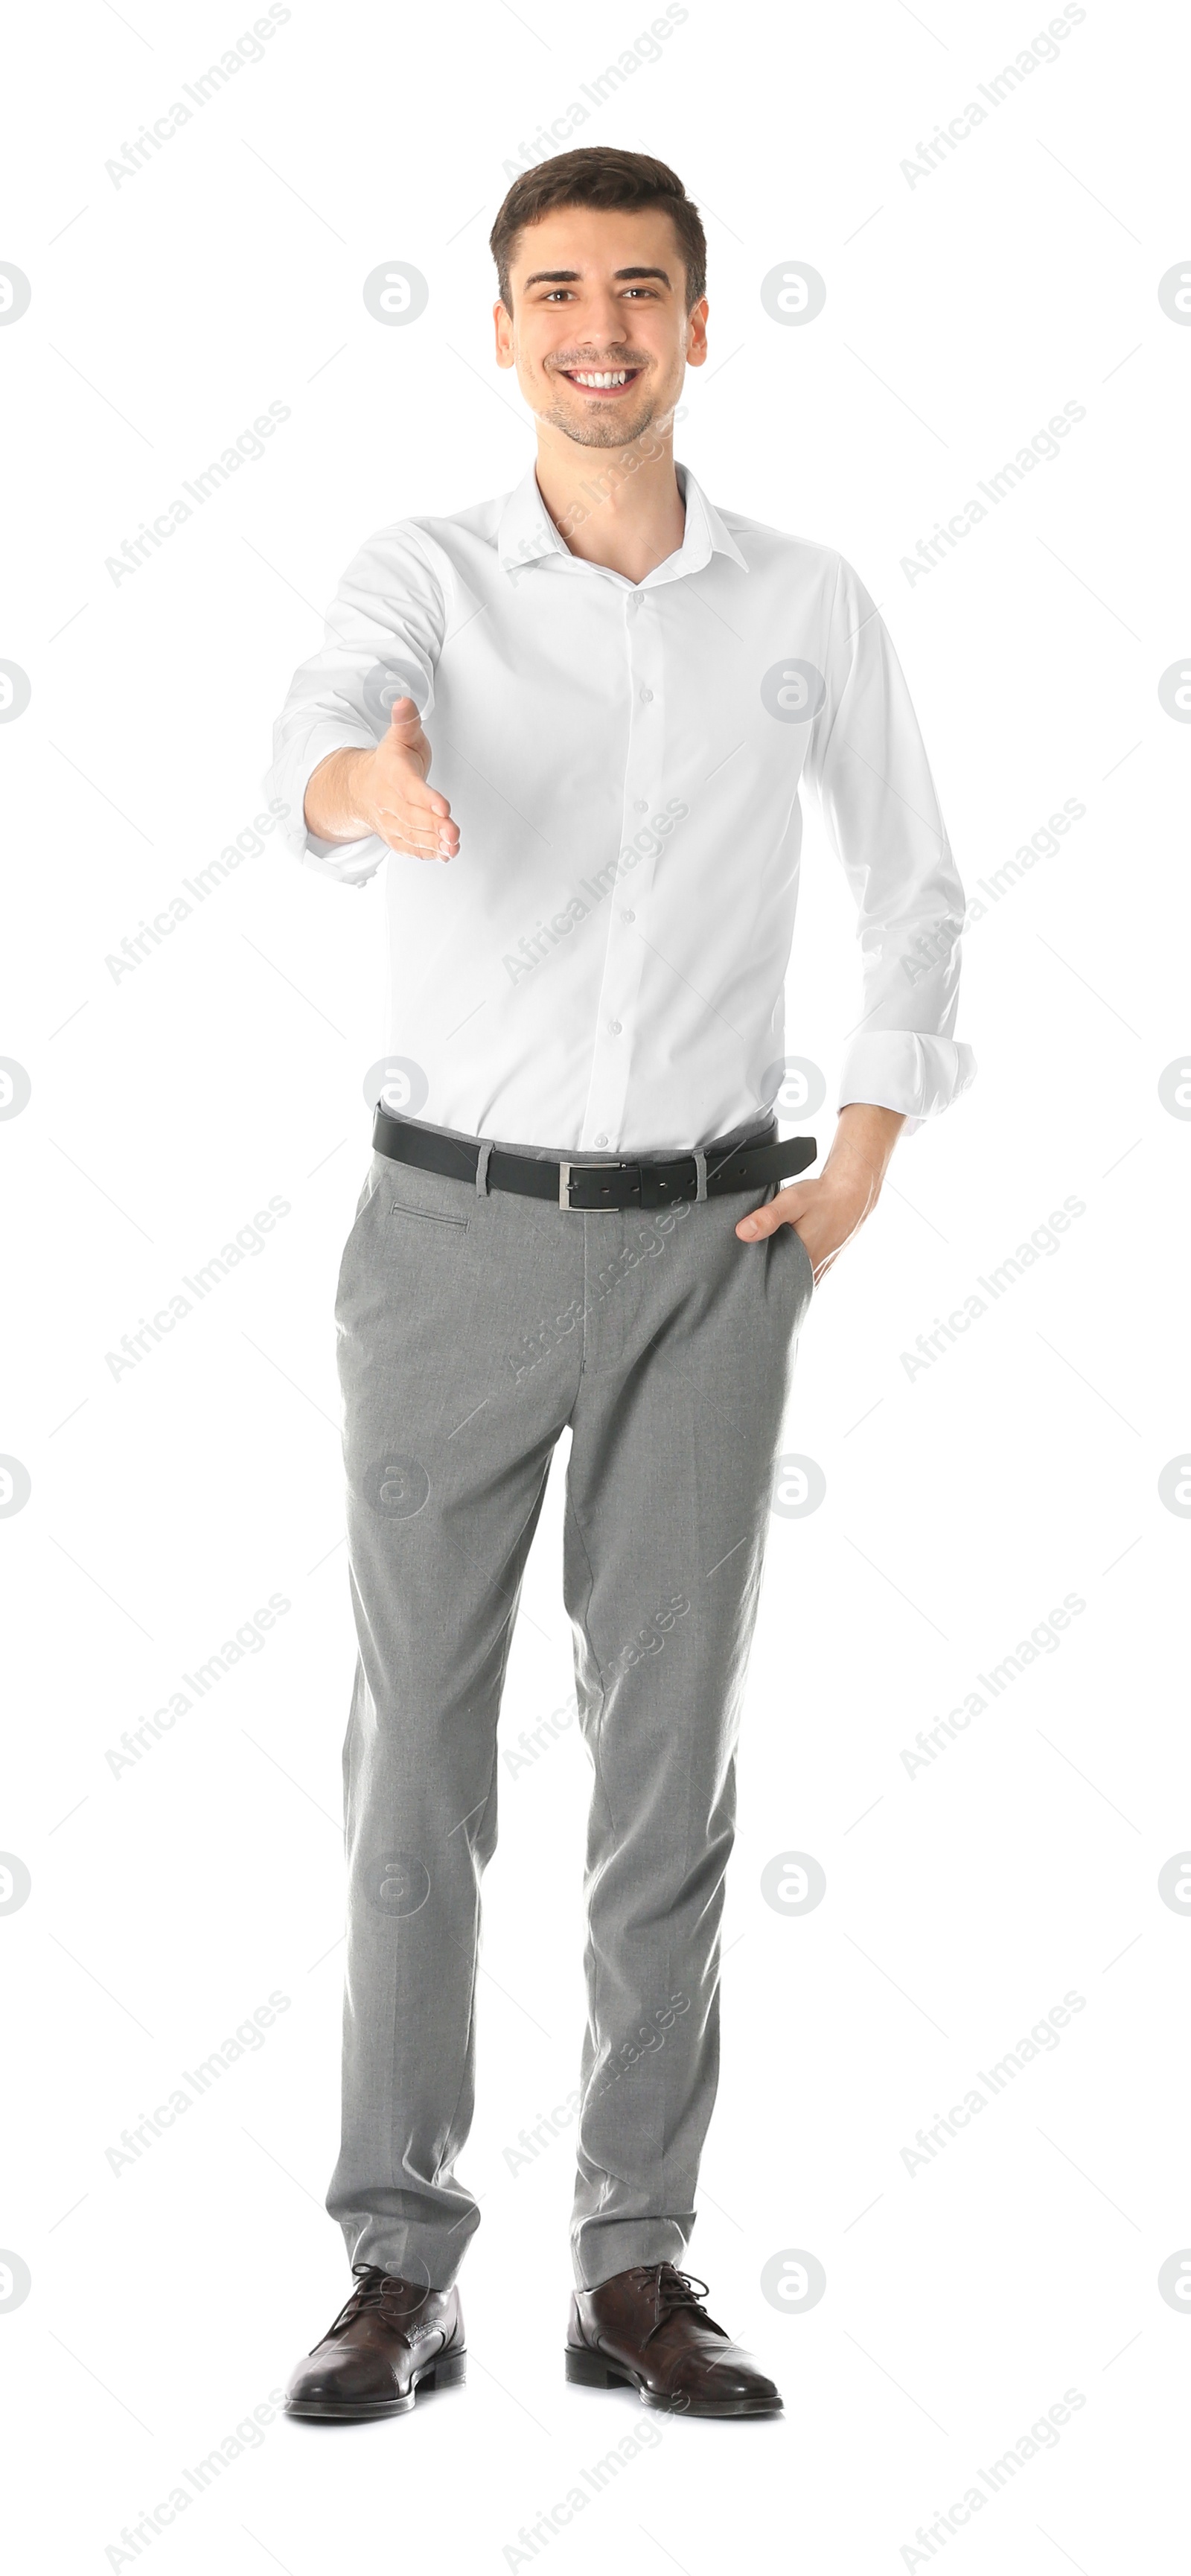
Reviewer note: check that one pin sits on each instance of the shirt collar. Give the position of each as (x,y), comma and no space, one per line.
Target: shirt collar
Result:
(527,532)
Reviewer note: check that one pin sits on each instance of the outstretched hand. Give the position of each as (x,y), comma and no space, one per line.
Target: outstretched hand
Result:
(354,793)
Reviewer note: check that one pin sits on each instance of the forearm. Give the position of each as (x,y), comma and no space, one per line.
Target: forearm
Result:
(861,1147)
(335,807)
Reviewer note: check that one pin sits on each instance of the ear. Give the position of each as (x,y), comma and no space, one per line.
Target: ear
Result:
(502,323)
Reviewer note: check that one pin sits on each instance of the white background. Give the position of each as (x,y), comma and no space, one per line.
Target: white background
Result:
(962,1504)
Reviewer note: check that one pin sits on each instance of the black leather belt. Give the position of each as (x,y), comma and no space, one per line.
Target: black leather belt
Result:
(589,1188)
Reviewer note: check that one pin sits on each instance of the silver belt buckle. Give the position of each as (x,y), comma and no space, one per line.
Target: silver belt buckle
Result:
(565,1170)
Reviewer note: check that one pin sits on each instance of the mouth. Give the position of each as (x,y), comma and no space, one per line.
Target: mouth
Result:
(601,384)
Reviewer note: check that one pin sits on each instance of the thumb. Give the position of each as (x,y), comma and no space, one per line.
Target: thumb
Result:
(760,1222)
(785,1209)
(404,720)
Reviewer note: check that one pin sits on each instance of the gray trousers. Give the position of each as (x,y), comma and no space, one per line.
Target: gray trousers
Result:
(472,1328)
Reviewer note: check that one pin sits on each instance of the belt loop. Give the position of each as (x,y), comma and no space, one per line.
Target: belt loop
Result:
(482,1160)
(701,1170)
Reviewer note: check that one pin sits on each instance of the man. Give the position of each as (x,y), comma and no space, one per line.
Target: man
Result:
(590,916)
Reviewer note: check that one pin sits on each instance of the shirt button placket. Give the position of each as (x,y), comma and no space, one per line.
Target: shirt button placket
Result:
(617,1012)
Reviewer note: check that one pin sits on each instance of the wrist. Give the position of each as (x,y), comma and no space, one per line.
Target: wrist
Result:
(338,804)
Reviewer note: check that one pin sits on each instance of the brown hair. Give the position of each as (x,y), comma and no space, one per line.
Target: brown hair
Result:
(599,175)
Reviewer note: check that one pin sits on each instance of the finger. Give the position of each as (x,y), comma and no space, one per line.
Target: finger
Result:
(431,813)
(427,800)
(407,831)
(409,793)
(409,808)
(433,831)
(415,838)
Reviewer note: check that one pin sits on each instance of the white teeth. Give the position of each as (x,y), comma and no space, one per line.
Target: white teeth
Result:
(618,378)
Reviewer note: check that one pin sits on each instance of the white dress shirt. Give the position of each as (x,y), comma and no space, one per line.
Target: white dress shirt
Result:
(603,961)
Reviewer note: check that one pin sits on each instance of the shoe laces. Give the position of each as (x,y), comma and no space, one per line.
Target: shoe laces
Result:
(674,2290)
(395,2301)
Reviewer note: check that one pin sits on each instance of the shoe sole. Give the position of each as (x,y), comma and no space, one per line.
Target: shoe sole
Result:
(447,2372)
(591,2370)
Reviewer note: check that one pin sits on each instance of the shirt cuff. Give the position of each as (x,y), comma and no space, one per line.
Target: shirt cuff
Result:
(350,862)
(898,1069)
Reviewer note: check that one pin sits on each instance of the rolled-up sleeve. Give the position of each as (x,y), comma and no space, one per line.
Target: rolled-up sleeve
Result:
(382,640)
(868,765)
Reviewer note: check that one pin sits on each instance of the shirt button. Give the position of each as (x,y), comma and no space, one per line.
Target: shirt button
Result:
(640,805)
(646,695)
(614,1025)
(601,1140)
(628,916)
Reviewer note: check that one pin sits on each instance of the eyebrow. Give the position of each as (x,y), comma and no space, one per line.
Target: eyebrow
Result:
(570,276)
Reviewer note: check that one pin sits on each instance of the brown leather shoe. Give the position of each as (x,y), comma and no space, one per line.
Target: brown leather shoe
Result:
(391,2339)
(645,2329)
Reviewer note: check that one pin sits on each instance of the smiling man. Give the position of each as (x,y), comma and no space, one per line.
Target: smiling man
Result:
(579,1215)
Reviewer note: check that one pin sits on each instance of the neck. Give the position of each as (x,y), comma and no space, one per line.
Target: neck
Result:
(618,506)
